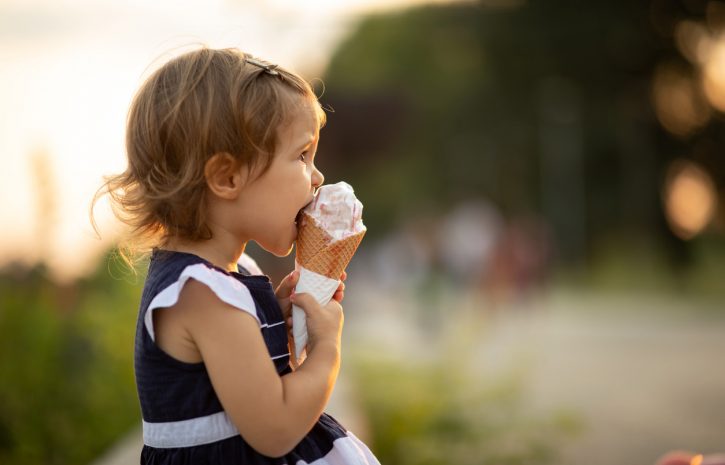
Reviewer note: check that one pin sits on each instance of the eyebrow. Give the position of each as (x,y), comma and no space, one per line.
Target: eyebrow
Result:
(306,144)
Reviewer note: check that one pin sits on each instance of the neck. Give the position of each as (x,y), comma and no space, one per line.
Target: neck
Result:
(217,251)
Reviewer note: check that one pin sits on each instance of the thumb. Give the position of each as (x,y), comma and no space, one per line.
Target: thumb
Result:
(287,284)
(304,300)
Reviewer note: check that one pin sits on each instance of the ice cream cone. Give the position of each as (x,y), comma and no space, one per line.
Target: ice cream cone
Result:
(321,261)
(317,251)
(329,231)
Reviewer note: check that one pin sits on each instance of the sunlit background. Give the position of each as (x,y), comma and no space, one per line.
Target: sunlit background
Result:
(544,190)
(69,71)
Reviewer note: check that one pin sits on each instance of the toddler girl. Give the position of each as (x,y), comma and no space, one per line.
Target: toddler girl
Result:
(221,150)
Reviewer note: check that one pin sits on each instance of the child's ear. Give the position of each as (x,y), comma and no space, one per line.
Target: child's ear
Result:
(224,176)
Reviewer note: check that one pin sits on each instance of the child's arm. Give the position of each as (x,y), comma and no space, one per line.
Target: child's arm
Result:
(272,413)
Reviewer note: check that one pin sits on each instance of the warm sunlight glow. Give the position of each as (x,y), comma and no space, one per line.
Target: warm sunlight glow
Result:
(69,71)
(68,133)
(689,197)
(354,6)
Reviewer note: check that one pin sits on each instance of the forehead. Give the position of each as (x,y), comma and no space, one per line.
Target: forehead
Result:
(303,121)
(299,100)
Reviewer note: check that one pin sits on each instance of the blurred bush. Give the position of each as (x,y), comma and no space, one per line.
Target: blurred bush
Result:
(67,387)
(434,413)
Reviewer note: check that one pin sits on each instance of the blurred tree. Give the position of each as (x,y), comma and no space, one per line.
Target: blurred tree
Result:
(539,106)
(66,366)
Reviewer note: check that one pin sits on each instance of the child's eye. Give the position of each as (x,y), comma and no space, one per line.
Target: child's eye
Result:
(303,157)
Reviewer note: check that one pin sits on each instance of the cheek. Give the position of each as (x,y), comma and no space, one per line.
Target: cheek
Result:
(301,184)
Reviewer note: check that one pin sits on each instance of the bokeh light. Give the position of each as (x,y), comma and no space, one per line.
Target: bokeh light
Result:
(690,198)
(678,103)
(693,41)
(714,74)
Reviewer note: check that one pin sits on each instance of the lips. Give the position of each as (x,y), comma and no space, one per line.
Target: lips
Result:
(299,213)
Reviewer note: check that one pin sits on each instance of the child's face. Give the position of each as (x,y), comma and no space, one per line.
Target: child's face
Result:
(270,204)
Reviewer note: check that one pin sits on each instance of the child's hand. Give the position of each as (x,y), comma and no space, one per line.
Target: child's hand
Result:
(340,292)
(287,285)
(285,288)
(324,323)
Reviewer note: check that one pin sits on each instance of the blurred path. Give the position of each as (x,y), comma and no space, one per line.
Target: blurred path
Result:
(645,374)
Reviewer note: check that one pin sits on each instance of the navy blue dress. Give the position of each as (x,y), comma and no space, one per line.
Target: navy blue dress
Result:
(183,420)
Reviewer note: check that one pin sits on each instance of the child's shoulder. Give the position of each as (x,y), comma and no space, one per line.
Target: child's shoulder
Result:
(188,294)
(179,280)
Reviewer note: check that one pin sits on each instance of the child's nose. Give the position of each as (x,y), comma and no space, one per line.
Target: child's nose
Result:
(317,178)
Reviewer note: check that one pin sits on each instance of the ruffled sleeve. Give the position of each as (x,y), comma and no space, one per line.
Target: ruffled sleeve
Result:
(227,288)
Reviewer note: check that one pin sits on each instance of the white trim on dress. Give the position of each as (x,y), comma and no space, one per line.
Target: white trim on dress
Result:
(346,450)
(188,433)
(227,288)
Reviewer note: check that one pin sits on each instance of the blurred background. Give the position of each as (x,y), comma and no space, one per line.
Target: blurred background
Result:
(544,191)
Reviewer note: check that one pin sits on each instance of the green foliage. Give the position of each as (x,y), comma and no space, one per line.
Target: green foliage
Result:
(435,413)
(706,277)
(540,107)
(67,387)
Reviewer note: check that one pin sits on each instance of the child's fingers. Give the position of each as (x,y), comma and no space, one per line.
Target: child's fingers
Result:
(287,285)
(343,277)
(340,292)
(305,301)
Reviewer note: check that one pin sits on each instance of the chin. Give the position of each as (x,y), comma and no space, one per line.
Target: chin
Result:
(281,252)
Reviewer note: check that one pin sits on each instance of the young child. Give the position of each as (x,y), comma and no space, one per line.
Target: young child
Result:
(221,150)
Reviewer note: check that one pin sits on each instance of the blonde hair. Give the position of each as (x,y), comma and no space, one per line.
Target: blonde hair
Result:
(202,103)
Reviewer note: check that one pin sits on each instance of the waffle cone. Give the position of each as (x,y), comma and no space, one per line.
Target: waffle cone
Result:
(318,252)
